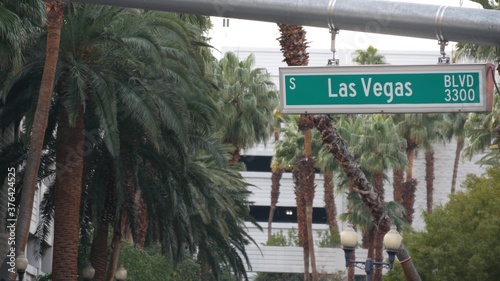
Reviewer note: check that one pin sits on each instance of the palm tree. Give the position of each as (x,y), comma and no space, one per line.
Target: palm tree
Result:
(54,19)
(19,19)
(248,99)
(276,174)
(329,166)
(454,128)
(294,48)
(413,127)
(288,154)
(434,124)
(80,62)
(338,147)
(370,56)
(481,131)
(277,171)
(373,140)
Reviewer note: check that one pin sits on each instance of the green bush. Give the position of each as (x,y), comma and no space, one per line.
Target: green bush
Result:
(152,266)
(280,239)
(327,239)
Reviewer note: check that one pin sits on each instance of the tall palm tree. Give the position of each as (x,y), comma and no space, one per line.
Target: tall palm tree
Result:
(54,19)
(100,64)
(288,154)
(434,123)
(413,128)
(454,128)
(277,171)
(248,99)
(21,23)
(294,49)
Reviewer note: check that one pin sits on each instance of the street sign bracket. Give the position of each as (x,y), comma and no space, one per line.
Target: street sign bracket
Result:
(443,59)
(333,61)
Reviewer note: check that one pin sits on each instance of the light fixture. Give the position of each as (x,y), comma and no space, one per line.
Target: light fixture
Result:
(88,272)
(21,265)
(349,241)
(289,212)
(121,274)
(392,242)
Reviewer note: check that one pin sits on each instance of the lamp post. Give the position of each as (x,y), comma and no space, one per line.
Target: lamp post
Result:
(349,241)
(121,274)
(21,265)
(88,272)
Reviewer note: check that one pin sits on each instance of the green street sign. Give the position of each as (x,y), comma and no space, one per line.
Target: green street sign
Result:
(387,88)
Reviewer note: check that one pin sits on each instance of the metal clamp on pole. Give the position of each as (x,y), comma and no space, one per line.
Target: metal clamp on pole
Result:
(443,58)
(333,61)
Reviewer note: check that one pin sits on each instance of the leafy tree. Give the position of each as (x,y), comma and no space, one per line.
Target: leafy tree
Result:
(370,56)
(454,248)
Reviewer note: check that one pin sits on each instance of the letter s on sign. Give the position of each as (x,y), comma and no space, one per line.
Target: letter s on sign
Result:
(292,83)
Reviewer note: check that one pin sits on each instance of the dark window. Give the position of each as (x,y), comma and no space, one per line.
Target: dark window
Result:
(285,214)
(257,163)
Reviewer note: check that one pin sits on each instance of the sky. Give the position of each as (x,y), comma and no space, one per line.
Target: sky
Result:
(245,33)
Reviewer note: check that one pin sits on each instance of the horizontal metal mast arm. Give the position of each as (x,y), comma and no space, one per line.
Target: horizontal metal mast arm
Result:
(375,16)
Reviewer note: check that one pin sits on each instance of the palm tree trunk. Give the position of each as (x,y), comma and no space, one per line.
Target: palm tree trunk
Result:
(141,219)
(409,189)
(368,242)
(293,46)
(410,154)
(407,264)
(69,172)
(330,207)
(301,219)
(458,151)
(306,168)
(398,179)
(99,251)
(410,185)
(338,147)
(429,179)
(378,235)
(379,254)
(116,245)
(277,173)
(54,9)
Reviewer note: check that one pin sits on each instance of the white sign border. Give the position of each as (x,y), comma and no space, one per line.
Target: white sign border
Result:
(481,69)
